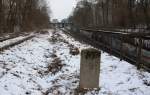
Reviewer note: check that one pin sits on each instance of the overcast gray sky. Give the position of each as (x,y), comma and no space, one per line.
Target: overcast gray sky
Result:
(61,8)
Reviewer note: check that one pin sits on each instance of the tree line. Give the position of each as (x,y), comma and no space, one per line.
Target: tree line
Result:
(111,13)
(23,15)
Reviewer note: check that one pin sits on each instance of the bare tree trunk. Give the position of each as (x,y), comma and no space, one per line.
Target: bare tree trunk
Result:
(1,16)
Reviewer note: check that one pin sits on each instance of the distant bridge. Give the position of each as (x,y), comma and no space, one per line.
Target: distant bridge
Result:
(60,24)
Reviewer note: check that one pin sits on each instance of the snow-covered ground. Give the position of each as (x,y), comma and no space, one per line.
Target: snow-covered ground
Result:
(25,70)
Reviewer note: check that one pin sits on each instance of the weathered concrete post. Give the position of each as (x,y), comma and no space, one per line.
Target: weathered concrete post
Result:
(89,68)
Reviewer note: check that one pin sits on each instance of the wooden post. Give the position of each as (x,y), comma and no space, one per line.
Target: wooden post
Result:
(90,68)
(111,36)
(121,48)
(139,53)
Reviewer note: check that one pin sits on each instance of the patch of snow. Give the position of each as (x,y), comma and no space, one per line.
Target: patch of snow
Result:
(22,70)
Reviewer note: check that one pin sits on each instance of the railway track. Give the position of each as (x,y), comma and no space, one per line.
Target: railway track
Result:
(106,48)
(7,46)
(26,36)
(7,38)
(11,36)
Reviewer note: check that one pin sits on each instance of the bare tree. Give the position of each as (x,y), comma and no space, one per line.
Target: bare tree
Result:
(23,15)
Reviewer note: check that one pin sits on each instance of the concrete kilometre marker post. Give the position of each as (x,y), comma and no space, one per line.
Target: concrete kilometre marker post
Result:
(89,68)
